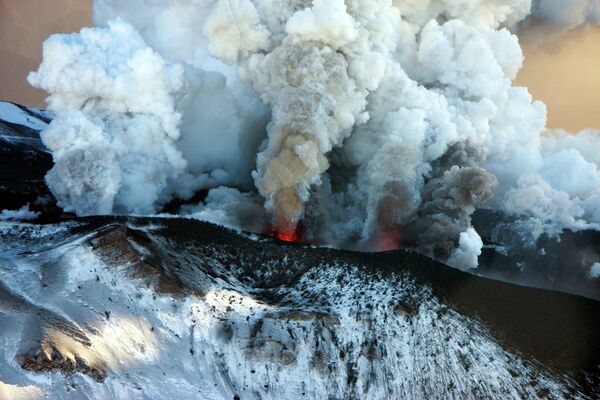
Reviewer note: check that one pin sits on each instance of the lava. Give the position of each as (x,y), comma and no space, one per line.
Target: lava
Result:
(389,238)
(289,235)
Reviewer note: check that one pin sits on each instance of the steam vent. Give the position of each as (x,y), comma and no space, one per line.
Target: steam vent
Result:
(299,199)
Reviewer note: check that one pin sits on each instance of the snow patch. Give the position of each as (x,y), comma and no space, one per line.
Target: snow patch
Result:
(15,115)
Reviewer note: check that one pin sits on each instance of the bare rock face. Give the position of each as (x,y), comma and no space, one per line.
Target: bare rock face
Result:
(52,357)
(147,308)
(131,250)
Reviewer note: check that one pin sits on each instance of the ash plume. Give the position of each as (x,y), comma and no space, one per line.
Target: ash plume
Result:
(115,126)
(368,124)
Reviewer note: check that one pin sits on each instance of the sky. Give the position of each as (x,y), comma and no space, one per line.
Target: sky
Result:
(24,25)
(563,72)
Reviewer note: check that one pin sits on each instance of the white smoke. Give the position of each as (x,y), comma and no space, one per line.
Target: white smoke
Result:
(549,19)
(234,30)
(468,250)
(369,121)
(223,119)
(115,127)
(231,208)
(22,214)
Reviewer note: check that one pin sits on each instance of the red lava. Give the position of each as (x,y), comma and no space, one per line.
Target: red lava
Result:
(389,239)
(292,236)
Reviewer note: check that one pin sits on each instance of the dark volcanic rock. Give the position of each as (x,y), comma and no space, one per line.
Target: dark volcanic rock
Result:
(50,358)
(521,316)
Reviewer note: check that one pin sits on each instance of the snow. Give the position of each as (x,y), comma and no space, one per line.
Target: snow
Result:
(221,340)
(13,114)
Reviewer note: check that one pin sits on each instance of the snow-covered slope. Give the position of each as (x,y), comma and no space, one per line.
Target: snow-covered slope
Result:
(33,118)
(24,160)
(104,308)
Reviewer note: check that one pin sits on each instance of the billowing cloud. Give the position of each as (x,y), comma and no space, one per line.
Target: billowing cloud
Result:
(361,123)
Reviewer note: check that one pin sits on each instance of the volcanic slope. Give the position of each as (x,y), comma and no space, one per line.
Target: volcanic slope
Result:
(24,160)
(115,307)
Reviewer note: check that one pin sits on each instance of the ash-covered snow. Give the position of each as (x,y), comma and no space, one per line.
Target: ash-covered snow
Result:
(24,160)
(20,126)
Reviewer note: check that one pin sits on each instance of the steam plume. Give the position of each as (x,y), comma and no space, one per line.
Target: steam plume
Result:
(372,122)
(115,127)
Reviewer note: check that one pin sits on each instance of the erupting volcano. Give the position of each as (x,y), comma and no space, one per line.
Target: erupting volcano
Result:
(292,236)
(386,139)
(389,238)
(326,111)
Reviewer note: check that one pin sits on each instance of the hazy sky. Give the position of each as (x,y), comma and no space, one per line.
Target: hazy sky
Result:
(24,24)
(564,74)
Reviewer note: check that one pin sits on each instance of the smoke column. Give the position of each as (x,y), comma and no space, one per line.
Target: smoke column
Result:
(361,123)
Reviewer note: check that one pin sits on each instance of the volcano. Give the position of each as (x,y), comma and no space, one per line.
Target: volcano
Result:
(116,306)
(321,199)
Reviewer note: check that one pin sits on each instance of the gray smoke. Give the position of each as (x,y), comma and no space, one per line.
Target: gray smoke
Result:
(566,14)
